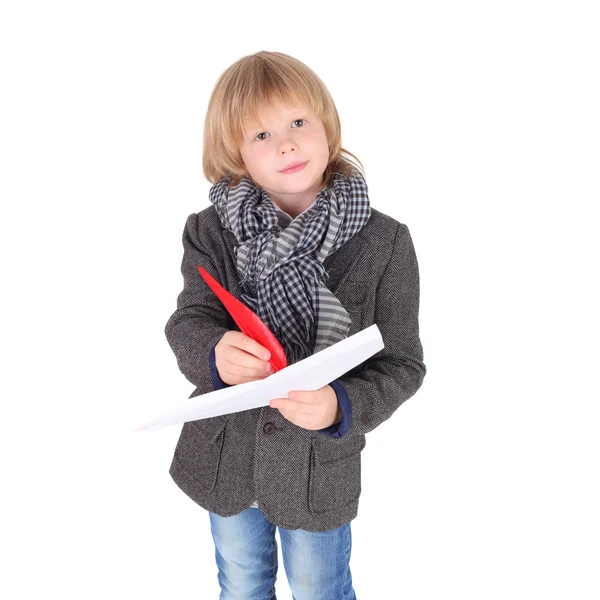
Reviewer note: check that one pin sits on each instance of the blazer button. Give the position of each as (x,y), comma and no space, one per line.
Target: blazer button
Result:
(269,428)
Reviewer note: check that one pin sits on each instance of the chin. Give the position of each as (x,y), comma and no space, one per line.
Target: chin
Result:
(305,178)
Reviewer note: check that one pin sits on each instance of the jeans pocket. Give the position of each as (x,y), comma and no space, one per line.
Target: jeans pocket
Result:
(198,451)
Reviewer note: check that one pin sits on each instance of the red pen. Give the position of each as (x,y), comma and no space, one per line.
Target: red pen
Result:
(248,321)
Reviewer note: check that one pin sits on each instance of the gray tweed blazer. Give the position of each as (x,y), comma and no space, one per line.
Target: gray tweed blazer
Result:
(302,479)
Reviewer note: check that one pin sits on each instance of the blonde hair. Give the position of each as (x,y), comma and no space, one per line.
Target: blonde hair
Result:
(256,82)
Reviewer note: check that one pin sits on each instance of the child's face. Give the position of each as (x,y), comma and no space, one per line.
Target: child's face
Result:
(288,134)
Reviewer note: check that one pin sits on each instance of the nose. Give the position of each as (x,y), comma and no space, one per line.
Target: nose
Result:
(286,146)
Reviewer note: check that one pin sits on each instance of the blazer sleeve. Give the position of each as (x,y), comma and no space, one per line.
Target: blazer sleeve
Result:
(200,320)
(378,386)
(340,429)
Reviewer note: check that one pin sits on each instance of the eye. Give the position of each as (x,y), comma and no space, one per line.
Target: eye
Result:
(264,132)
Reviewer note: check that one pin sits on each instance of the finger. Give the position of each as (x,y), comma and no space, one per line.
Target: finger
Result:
(243,378)
(292,406)
(251,346)
(247,363)
(298,419)
(305,396)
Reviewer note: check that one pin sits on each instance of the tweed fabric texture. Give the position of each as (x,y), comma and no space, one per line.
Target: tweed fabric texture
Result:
(338,430)
(301,478)
(281,270)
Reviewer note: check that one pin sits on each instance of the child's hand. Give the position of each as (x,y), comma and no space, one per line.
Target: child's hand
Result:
(240,359)
(312,409)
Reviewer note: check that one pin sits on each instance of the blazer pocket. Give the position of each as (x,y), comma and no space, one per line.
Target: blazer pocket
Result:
(335,474)
(199,450)
(358,298)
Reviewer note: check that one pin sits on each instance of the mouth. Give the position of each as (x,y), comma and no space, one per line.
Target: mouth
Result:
(294,168)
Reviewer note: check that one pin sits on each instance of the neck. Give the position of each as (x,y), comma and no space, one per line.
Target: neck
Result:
(295,204)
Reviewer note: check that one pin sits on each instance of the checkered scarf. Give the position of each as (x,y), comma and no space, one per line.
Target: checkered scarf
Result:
(281,270)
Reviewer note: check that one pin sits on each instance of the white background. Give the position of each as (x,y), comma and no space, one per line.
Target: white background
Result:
(478,125)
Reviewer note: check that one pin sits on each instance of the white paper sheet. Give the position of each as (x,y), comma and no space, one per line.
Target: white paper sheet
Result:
(311,373)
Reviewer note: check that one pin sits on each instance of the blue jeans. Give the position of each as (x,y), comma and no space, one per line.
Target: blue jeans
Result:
(316,562)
